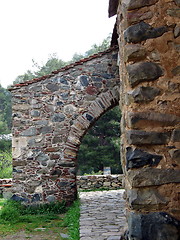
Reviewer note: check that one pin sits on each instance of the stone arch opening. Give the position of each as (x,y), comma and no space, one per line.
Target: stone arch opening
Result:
(100,146)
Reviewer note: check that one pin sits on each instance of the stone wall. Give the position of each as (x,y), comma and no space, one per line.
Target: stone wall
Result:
(50,116)
(5,184)
(99,181)
(149,46)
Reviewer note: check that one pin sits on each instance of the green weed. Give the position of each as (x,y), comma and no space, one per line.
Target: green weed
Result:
(71,220)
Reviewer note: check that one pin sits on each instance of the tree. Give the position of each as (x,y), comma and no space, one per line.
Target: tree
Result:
(100,147)
(95,48)
(5,111)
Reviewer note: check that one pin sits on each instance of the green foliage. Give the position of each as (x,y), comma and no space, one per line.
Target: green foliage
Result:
(71,220)
(5,165)
(5,111)
(100,146)
(5,145)
(95,48)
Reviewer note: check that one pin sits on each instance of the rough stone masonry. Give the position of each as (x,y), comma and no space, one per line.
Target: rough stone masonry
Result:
(149,47)
(50,116)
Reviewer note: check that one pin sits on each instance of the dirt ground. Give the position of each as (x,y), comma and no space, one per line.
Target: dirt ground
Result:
(37,235)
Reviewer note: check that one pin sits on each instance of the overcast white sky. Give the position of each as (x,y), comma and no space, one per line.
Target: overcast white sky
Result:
(34,29)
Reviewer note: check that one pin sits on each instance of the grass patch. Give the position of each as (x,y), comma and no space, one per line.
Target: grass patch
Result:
(71,220)
(15,217)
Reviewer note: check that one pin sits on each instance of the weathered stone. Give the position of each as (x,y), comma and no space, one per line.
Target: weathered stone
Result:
(32,131)
(137,137)
(134,16)
(19,199)
(138,198)
(152,177)
(176,135)
(176,71)
(153,226)
(64,96)
(62,184)
(136,158)
(69,109)
(45,129)
(56,139)
(144,71)
(42,158)
(138,119)
(88,117)
(41,122)
(133,4)
(142,31)
(91,90)
(35,113)
(175,155)
(84,80)
(52,87)
(134,52)
(51,198)
(177,31)
(58,117)
(174,12)
(177,2)
(144,94)
(36,197)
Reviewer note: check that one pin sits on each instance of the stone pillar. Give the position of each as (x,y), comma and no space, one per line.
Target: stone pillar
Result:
(149,71)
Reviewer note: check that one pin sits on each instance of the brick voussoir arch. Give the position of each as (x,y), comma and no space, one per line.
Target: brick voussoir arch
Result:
(96,109)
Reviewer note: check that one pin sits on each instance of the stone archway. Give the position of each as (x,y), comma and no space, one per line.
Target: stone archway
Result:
(50,116)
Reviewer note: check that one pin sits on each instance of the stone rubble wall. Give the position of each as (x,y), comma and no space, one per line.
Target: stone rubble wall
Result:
(91,182)
(88,182)
(149,43)
(5,183)
(50,116)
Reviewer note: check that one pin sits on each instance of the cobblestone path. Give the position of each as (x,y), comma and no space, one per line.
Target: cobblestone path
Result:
(102,215)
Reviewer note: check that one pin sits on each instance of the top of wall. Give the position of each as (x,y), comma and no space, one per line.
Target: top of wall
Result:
(67,67)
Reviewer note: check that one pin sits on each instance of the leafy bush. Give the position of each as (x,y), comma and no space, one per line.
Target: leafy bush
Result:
(5,145)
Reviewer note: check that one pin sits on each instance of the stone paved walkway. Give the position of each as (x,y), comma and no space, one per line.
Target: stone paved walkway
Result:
(102,215)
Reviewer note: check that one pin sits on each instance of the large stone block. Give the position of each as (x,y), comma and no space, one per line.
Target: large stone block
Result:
(136,158)
(145,198)
(153,226)
(177,2)
(144,94)
(140,119)
(134,52)
(176,135)
(153,177)
(32,131)
(134,4)
(175,155)
(143,71)
(52,87)
(142,31)
(137,137)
